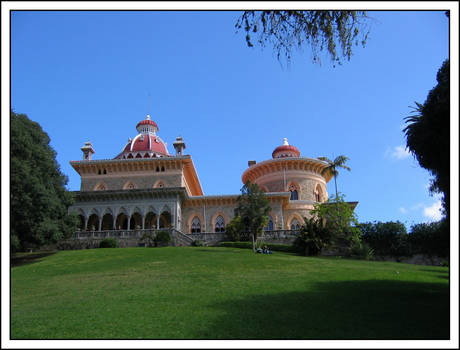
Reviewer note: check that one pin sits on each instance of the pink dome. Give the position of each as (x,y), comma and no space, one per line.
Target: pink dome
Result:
(285,150)
(146,144)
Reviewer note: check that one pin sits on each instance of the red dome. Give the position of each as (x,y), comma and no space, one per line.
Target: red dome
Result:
(285,150)
(147,122)
(148,143)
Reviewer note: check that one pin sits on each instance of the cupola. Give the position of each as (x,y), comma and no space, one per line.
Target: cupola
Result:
(286,150)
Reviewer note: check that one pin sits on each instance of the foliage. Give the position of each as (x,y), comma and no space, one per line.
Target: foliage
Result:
(253,209)
(386,238)
(162,238)
(147,239)
(431,239)
(339,221)
(108,243)
(312,238)
(199,243)
(334,31)
(39,199)
(362,250)
(235,230)
(428,134)
(332,168)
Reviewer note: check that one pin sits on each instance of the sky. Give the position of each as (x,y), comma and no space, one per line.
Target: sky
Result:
(92,76)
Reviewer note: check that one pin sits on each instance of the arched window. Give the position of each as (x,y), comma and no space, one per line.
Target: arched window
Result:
(101,187)
(318,193)
(220,224)
(269,226)
(196,225)
(295,225)
(294,192)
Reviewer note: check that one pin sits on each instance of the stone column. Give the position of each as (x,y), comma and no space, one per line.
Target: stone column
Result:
(129,222)
(143,222)
(100,223)
(158,222)
(86,223)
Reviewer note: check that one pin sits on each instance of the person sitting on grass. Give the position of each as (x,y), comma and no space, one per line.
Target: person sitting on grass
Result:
(259,250)
(266,250)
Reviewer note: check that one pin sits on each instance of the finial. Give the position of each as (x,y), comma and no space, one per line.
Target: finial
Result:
(148,117)
(285,142)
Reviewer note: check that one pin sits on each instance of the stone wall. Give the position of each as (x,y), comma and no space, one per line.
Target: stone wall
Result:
(150,180)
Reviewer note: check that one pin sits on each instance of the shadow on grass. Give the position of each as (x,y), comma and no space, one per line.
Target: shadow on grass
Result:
(373,310)
(28,258)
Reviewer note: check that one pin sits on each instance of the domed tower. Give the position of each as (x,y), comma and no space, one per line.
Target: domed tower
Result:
(287,171)
(147,144)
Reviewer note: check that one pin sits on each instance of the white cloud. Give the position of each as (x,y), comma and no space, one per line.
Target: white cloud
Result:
(433,212)
(403,210)
(400,152)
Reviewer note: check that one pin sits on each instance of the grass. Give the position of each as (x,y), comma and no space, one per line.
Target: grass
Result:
(224,293)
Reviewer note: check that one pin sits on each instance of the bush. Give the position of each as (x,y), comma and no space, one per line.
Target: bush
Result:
(386,238)
(162,238)
(198,243)
(312,238)
(362,251)
(430,239)
(108,243)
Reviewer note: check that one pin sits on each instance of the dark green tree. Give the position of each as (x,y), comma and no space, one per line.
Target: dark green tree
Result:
(38,197)
(253,209)
(312,238)
(333,169)
(334,31)
(340,223)
(428,135)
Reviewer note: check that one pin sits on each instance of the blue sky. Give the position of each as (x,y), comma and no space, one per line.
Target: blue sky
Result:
(94,75)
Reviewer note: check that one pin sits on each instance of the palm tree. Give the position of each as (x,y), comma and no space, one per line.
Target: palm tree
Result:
(332,169)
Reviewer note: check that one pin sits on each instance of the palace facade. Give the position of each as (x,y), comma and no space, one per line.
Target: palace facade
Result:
(146,187)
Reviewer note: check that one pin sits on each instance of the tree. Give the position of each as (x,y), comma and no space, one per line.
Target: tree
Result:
(39,199)
(428,135)
(334,31)
(312,238)
(339,221)
(253,209)
(332,169)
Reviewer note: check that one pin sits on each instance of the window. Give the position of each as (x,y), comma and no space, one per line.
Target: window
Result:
(196,225)
(269,226)
(294,192)
(295,225)
(220,224)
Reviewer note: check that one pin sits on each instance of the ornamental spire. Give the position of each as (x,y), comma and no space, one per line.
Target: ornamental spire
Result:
(285,142)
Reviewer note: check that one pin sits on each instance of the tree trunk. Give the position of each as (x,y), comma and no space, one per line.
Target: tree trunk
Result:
(253,244)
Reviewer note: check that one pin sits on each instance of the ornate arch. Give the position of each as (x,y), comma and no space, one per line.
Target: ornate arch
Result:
(293,217)
(214,218)
(101,186)
(319,193)
(294,188)
(190,219)
(129,185)
(159,184)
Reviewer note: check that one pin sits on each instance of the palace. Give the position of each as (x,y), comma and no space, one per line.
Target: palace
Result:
(146,187)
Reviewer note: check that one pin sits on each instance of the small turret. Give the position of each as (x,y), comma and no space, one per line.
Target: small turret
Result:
(179,146)
(87,150)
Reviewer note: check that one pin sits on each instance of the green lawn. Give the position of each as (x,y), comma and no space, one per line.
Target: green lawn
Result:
(224,293)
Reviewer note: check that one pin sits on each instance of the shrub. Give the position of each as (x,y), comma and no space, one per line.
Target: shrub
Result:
(431,239)
(234,230)
(198,243)
(147,240)
(362,250)
(108,243)
(162,238)
(386,238)
(312,238)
